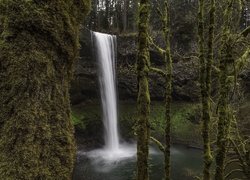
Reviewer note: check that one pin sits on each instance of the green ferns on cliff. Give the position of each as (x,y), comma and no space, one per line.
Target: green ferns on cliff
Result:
(38,45)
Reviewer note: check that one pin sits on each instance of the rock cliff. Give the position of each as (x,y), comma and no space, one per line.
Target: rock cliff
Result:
(85,85)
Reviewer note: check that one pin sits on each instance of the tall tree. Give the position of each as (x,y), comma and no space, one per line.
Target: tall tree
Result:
(167,75)
(143,100)
(135,14)
(93,20)
(168,85)
(205,81)
(230,67)
(107,15)
(125,14)
(223,105)
(38,45)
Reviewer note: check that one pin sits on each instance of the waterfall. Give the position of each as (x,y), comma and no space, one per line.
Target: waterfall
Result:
(105,46)
(105,52)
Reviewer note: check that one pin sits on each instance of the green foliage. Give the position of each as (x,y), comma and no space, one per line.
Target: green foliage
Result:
(78,120)
(183,130)
(87,119)
(186,127)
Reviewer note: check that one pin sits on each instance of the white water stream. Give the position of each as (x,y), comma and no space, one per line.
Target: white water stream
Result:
(105,52)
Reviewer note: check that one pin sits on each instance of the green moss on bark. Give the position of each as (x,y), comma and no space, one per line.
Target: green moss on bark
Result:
(223,105)
(205,81)
(143,93)
(38,45)
(168,85)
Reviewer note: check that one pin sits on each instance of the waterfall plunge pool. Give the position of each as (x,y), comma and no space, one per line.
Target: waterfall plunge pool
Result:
(185,162)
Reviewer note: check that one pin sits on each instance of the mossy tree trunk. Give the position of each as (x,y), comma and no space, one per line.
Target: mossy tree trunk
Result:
(167,75)
(205,81)
(143,100)
(168,86)
(223,104)
(38,45)
(231,65)
(223,109)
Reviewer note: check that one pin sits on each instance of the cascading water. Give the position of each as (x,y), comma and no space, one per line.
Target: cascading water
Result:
(105,45)
(105,52)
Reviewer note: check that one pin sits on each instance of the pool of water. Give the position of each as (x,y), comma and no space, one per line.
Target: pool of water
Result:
(185,164)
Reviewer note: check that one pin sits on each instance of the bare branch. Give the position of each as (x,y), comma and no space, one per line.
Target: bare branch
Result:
(232,161)
(245,32)
(231,172)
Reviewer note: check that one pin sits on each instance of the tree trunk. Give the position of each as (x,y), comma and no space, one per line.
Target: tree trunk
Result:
(38,45)
(135,15)
(107,15)
(167,73)
(205,83)
(143,93)
(223,117)
(94,16)
(125,15)
(168,86)
(224,120)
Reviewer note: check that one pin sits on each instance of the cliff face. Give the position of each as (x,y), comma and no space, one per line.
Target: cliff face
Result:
(85,85)
(185,77)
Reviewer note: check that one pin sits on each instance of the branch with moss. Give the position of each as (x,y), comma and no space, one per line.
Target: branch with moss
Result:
(243,61)
(158,71)
(158,143)
(158,48)
(167,74)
